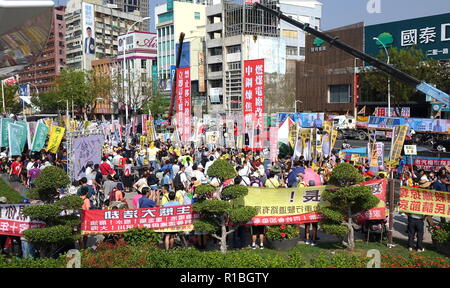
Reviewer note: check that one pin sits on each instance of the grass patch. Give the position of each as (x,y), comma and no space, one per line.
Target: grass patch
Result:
(11,195)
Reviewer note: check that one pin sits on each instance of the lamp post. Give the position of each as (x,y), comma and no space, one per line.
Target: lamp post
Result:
(389,77)
(123,80)
(67,113)
(296,105)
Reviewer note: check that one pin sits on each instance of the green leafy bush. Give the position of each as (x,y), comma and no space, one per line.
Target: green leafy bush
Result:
(440,233)
(141,236)
(242,214)
(11,195)
(47,183)
(335,230)
(339,260)
(72,202)
(345,175)
(234,192)
(204,191)
(222,170)
(205,225)
(212,206)
(15,262)
(43,212)
(282,232)
(52,234)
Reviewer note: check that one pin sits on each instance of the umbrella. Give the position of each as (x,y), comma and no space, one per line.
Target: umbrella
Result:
(310,174)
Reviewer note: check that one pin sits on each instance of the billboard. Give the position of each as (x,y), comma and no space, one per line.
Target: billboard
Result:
(272,50)
(185,60)
(429,34)
(416,124)
(304,120)
(88,34)
(138,42)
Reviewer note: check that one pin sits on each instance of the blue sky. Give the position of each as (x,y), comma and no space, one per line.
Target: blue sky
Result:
(338,13)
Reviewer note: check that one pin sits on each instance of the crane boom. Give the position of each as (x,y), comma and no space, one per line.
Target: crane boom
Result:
(420,85)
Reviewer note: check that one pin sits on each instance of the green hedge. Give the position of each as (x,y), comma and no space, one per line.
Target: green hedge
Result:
(15,262)
(11,195)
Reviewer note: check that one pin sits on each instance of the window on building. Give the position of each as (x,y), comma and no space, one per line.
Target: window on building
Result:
(159,32)
(143,63)
(291,50)
(59,17)
(302,51)
(233,49)
(339,93)
(171,29)
(290,33)
(197,15)
(144,77)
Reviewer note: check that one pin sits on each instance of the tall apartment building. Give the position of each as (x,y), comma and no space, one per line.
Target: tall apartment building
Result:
(305,11)
(172,18)
(43,73)
(237,32)
(92,30)
(129,6)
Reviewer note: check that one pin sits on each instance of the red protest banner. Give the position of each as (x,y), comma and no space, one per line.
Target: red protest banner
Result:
(424,202)
(253,106)
(183,92)
(174,218)
(288,219)
(13,222)
(378,188)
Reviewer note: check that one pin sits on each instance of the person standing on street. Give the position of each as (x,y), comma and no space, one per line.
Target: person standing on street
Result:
(415,226)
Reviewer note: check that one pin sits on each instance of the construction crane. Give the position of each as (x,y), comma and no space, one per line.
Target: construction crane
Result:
(420,85)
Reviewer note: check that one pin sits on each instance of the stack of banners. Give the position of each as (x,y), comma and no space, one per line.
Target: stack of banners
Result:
(285,205)
(273,143)
(416,124)
(424,202)
(398,139)
(85,149)
(13,222)
(183,92)
(253,106)
(379,189)
(40,136)
(15,133)
(4,131)
(56,136)
(161,219)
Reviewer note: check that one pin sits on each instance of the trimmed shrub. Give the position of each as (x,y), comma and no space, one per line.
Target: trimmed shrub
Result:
(222,170)
(212,206)
(47,213)
(47,183)
(141,236)
(52,234)
(242,214)
(234,192)
(204,191)
(72,202)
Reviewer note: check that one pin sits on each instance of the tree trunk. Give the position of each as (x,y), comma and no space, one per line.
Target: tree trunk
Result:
(351,232)
(223,239)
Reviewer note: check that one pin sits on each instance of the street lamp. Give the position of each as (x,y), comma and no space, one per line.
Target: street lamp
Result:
(67,113)
(296,105)
(123,80)
(389,77)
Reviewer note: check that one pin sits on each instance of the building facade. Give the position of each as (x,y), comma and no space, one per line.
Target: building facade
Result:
(129,6)
(92,30)
(43,73)
(327,79)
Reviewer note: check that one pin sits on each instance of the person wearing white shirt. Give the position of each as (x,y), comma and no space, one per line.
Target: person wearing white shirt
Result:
(116,159)
(175,169)
(208,164)
(197,173)
(189,169)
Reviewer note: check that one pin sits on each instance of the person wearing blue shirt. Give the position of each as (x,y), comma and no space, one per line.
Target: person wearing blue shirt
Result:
(150,198)
(292,176)
(439,185)
(169,236)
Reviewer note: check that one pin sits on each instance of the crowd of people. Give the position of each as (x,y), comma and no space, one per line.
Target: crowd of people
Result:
(163,174)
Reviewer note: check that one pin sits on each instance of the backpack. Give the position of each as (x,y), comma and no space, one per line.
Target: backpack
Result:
(177,180)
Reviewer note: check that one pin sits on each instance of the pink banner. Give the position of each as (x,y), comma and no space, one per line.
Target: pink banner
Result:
(184,103)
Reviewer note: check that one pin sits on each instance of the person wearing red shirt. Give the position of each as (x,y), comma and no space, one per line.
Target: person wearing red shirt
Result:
(16,169)
(105,168)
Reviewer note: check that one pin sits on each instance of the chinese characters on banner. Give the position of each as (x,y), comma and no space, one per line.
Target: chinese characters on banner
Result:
(398,139)
(253,105)
(184,103)
(164,219)
(273,143)
(378,188)
(13,222)
(56,136)
(431,164)
(85,149)
(424,202)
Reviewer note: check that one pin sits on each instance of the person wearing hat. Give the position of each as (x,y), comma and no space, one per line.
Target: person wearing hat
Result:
(198,173)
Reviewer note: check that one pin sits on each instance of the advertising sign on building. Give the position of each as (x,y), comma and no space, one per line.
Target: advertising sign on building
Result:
(254,100)
(429,34)
(89,46)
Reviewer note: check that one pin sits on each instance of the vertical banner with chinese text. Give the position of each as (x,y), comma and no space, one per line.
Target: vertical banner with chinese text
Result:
(183,93)
(253,106)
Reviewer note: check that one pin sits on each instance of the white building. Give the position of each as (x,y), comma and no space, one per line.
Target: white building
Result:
(104,23)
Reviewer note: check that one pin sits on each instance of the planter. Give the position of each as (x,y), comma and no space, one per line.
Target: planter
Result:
(287,244)
(443,248)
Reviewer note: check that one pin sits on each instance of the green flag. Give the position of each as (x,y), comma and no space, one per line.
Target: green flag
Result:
(39,137)
(23,139)
(4,131)
(15,134)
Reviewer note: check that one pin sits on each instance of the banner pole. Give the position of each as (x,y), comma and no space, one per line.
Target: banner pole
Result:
(3,98)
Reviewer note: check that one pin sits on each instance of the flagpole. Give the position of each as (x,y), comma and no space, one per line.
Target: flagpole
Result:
(3,98)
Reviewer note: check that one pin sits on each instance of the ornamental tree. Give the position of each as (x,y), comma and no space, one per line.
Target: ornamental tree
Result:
(216,212)
(62,224)
(346,202)
(47,184)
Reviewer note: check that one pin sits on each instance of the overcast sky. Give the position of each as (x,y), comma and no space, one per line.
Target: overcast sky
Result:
(338,13)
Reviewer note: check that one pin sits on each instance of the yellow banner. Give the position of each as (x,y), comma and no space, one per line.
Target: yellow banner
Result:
(398,138)
(56,136)
(285,201)
(293,132)
(49,123)
(142,141)
(424,202)
(150,130)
